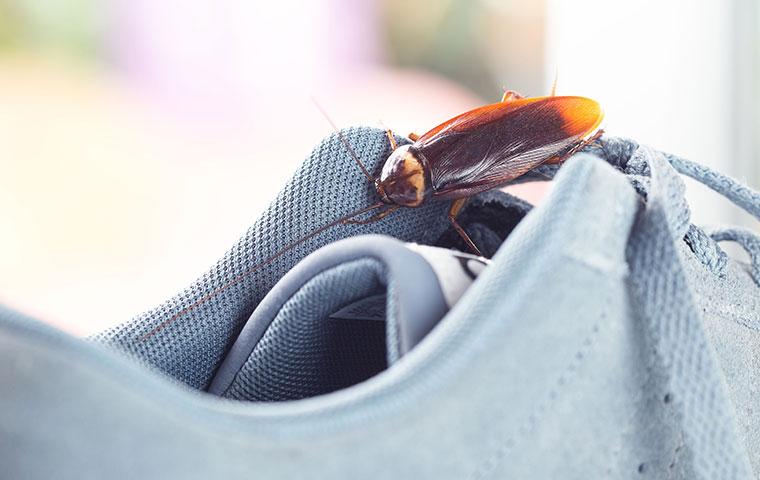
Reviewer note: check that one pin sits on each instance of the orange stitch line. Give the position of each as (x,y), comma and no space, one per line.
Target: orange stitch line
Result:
(252,269)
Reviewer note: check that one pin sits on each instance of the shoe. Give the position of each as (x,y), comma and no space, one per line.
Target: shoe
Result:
(608,337)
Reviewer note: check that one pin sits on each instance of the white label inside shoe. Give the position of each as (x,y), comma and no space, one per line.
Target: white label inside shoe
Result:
(455,270)
(370,308)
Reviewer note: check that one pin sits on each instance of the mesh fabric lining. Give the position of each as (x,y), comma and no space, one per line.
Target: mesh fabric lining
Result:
(306,353)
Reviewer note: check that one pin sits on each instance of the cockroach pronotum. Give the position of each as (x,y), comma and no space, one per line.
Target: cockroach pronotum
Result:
(476,151)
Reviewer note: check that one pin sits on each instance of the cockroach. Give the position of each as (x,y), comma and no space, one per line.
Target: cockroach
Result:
(480,150)
(476,151)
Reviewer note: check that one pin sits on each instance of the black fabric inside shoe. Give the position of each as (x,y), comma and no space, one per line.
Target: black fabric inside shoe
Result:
(488,219)
(306,351)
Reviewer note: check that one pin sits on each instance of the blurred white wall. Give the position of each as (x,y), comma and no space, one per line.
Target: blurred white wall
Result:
(667,74)
(121,182)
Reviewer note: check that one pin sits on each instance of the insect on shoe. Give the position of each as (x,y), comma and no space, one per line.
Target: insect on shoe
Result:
(606,337)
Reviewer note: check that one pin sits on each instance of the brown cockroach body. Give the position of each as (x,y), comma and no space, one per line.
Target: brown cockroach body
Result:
(483,149)
(471,153)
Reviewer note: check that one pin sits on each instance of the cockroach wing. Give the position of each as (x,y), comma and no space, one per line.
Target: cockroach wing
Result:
(491,145)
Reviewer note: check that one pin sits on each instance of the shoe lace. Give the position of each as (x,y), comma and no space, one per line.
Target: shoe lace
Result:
(660,287)
(630,158)
(665,303)
(703,243)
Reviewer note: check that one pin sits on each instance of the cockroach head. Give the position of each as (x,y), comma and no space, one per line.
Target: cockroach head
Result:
(402,180)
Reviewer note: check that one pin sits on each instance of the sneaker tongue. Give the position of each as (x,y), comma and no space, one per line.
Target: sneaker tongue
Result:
(342,315)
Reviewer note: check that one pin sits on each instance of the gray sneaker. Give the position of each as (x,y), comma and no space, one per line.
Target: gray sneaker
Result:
(608,337)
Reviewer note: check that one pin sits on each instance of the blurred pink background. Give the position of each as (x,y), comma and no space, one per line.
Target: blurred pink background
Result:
(139,139)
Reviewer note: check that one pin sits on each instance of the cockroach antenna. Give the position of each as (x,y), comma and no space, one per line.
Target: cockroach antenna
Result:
(344,141)
(346,219)
(554,83)
(389,134)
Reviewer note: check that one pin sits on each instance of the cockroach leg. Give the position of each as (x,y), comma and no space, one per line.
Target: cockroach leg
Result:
(594,140)
(510,95)
(413,137)
(373,218)
(456,207)
(391,139)
(577,148)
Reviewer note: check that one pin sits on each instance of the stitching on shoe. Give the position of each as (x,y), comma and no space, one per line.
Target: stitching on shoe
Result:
(531,421)
(599,263)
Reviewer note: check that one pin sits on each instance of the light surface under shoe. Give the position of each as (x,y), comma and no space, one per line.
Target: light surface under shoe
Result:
(609,338)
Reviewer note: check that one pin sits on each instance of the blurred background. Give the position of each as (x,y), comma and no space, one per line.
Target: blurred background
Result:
(140,138)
